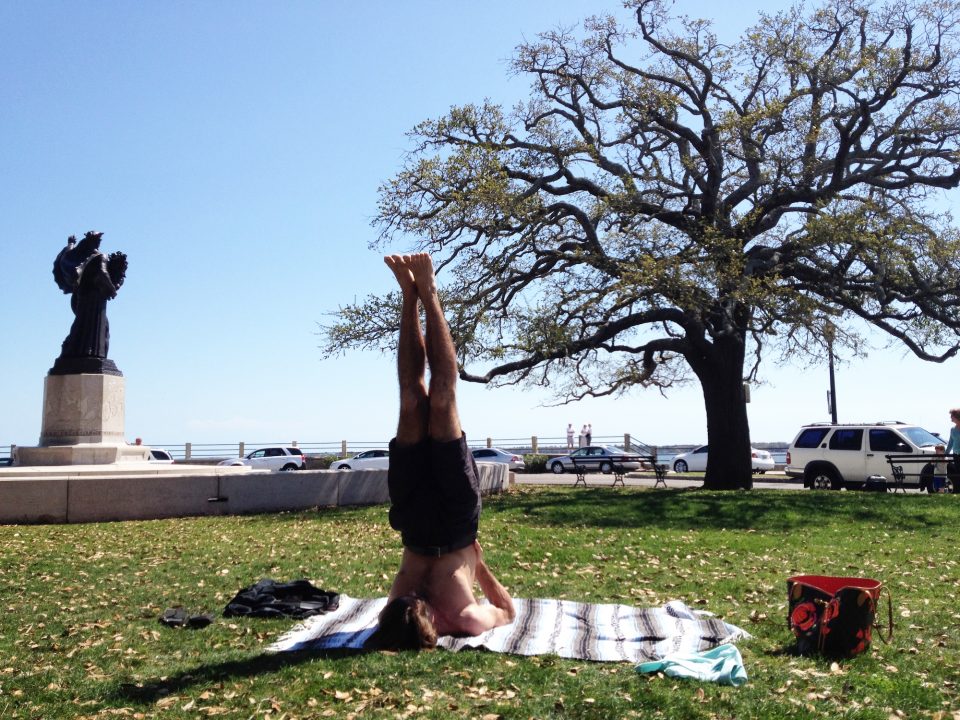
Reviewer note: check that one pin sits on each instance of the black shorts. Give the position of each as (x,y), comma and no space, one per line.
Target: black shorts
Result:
(434,495)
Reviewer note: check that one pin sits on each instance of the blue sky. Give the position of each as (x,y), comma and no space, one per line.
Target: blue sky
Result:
(233,151)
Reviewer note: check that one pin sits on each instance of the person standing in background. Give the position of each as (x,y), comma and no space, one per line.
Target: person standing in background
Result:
(570,433)
(589,434)
(953,446)
(939,470)
(583,436)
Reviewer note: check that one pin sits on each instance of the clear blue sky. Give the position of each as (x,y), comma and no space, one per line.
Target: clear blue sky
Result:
(233,149)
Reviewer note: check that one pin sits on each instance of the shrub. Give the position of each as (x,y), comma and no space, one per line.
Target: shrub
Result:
(535,462)
(320,462)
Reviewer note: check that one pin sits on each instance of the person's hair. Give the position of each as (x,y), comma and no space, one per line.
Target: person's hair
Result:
(405,624)
(955,413)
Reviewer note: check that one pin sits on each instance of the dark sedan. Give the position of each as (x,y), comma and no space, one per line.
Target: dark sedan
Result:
(598,458)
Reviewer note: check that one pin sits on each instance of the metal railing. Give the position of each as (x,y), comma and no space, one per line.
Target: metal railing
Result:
(547,445)
(190,451)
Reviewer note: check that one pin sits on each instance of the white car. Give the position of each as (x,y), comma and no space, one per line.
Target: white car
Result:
(499,456)
(160,456)
(367,460)
(696,460)
(272,458)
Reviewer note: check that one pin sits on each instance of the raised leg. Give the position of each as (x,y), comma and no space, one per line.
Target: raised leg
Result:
(411,359)
(444,422)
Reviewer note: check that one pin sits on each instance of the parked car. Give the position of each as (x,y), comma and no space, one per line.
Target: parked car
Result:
(696,460)
(367,460)
(499,456)
(160,456)
(596,457)
(272,458)
(832,457)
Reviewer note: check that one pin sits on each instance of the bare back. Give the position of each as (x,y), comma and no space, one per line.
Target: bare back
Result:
(445,582)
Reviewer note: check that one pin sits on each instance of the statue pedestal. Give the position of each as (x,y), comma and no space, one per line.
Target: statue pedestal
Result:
(83,423)
(81,454)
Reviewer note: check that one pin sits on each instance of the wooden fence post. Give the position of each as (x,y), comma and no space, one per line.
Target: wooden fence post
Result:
(534,445)
(187,450)
(343,448)
(242,448)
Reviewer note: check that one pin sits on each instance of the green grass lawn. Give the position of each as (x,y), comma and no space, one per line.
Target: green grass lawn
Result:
(79,636)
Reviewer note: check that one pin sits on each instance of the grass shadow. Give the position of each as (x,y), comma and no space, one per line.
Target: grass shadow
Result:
(151,691)
(684,509)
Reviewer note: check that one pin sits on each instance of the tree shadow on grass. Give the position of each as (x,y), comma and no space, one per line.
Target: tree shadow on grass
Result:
(685,509)
(151,691)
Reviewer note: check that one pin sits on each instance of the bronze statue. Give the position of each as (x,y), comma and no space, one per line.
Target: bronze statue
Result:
(91,278)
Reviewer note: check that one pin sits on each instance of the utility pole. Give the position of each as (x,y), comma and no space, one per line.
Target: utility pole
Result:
(832,392)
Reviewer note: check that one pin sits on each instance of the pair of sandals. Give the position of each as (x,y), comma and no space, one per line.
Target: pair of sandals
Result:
(177,617)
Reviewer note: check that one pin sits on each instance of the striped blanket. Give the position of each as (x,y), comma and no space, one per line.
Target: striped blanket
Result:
(611,633)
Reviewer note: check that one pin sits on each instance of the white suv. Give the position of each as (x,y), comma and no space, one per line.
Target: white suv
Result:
(367,460)
(838,456)
(272,458)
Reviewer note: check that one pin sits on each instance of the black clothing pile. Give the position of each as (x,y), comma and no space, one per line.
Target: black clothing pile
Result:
(271,599)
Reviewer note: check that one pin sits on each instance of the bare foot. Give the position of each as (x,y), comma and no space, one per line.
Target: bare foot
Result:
(421,266)
(401,269)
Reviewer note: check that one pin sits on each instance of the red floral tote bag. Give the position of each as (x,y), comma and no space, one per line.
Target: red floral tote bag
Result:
(834,616)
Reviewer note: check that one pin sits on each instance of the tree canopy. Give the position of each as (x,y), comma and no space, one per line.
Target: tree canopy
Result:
(665,203)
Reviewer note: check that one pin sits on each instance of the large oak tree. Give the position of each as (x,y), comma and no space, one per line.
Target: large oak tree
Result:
(666,203)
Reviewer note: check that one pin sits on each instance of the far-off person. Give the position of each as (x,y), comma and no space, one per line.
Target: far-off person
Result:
(570,434)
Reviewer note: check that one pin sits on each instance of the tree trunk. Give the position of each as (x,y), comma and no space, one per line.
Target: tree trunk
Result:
(729,465)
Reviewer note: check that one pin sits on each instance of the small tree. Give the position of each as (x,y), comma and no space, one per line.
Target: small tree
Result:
(665,202)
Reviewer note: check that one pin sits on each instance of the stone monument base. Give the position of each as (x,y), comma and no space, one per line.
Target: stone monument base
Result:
(83,408)
(83,417)
(81,454)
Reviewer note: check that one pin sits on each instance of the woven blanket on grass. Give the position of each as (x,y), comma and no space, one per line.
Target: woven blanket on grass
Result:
(611,633)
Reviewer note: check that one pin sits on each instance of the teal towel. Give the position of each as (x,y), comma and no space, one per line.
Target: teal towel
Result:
(721,664)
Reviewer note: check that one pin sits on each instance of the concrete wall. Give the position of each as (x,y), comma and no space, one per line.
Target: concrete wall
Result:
(119,497)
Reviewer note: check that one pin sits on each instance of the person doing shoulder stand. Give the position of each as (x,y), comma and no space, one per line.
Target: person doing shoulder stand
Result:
(434,487)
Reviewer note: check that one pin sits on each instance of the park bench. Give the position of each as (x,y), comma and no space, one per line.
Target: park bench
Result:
(616,467)
(661,472)
(920,466)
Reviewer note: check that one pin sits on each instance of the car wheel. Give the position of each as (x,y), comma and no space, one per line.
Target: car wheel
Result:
(344,466)
(288,467)
(606,468)
(557,468)
(679,466)
(823,479)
